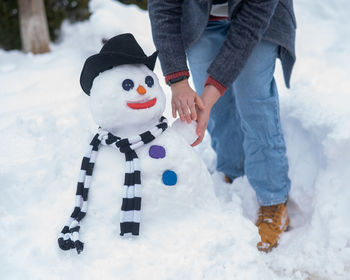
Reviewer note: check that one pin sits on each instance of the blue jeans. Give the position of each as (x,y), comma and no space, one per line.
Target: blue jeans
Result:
(245,123)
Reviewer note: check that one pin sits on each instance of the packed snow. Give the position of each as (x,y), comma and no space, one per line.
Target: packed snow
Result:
(46,124)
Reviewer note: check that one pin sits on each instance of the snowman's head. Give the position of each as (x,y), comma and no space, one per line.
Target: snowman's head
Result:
(126,95)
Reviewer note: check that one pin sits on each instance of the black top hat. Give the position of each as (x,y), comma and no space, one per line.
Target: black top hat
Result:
(119,50)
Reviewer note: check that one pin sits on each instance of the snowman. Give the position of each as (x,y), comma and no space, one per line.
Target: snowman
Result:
(141,173)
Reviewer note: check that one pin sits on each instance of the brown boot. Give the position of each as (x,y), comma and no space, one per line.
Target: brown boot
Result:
(228,180)
(272,222)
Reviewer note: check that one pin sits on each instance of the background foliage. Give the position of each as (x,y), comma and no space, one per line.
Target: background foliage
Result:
(141,3)
(56,12)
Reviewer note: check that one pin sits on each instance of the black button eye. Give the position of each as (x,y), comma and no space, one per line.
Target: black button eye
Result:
(128,84)
(149,81)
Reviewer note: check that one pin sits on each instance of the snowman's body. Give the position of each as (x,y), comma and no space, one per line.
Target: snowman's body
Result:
(162,205)
(168,157)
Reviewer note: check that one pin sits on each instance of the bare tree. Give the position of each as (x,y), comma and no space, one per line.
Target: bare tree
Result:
(33,26)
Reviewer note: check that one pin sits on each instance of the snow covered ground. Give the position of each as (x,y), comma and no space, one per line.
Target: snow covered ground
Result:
(45,124)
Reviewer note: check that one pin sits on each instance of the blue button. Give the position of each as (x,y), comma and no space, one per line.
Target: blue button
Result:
(169,178)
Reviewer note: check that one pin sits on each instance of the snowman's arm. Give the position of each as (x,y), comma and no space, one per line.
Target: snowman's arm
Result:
(185,130)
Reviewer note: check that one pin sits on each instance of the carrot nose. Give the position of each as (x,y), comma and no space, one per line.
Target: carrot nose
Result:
(141,90)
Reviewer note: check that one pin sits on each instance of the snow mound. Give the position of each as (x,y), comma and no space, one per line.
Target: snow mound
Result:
(46,122)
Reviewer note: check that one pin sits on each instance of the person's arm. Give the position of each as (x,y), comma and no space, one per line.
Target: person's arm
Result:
(247,27)
(246,30)
(165,19)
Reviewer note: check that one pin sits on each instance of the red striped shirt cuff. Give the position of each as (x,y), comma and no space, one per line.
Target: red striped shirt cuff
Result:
(215,83)
(214,18)
(176,75)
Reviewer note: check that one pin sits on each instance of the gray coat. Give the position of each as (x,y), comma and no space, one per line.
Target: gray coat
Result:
(176,24)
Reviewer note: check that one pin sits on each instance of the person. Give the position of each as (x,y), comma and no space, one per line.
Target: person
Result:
(232,47)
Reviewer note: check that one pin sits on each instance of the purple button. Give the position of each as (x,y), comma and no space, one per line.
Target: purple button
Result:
(156,152)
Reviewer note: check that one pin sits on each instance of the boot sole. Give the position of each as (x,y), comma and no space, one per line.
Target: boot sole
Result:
(269,249)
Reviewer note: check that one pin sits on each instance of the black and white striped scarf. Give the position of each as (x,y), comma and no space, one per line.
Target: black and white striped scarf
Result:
(131,204)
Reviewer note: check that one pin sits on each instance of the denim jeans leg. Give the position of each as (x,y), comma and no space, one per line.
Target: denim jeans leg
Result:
(266,164)
(224,123)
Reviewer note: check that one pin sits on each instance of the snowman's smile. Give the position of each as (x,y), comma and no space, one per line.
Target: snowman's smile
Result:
(142,104)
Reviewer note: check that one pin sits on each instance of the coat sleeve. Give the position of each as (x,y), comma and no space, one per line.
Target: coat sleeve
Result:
(165,17)
(247,27)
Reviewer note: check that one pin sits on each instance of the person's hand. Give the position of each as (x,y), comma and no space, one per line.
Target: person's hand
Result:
(202,122)
(209,96)
(184,101)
